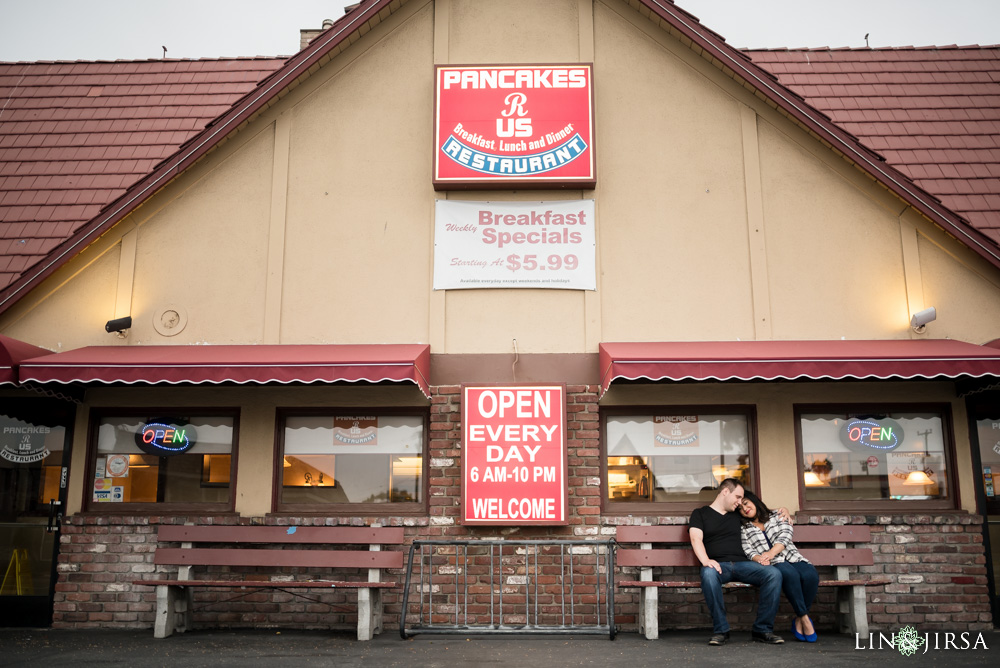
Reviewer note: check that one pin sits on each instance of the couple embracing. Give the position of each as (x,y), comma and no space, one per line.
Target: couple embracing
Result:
(738,539)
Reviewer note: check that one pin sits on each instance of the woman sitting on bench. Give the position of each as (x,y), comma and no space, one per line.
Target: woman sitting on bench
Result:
(767,539)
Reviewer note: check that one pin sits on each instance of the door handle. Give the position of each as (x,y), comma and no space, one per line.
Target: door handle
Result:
(55,516)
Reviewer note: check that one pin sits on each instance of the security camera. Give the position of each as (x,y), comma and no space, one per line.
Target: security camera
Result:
(118,324)
(921,318)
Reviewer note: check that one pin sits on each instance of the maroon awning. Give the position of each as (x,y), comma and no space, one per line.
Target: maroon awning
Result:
(261,364)
(789,360)
(12,353)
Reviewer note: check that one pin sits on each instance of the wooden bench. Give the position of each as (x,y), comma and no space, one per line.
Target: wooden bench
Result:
(263,547)
(852,608)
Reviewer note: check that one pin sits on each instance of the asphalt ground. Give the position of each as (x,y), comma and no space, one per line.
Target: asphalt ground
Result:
(105,647)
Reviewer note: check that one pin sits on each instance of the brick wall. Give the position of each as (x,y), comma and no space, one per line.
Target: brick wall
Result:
(935,562)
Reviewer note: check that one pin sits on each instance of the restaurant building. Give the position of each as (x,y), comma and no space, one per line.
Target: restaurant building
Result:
(339,288)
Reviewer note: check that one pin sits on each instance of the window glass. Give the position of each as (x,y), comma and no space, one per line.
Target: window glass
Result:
(352,459)
(674,457)
(163,459)
(872,455)
(31,457)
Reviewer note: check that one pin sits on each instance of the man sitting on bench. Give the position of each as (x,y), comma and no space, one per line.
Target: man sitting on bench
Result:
(715,537)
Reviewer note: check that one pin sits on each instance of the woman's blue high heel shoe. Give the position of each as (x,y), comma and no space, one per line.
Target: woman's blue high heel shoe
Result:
(798,636)
(812,637)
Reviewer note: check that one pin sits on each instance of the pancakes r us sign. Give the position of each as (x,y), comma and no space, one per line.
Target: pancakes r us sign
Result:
(514,126)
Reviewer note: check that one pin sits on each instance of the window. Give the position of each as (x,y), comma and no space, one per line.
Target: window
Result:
(873,457)
(674,455)
(359,459)
(180,458)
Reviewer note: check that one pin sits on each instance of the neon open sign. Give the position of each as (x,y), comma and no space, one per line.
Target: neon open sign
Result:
(871,434)
(163,438)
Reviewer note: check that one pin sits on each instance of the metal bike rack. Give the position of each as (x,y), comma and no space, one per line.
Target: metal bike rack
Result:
(509,586)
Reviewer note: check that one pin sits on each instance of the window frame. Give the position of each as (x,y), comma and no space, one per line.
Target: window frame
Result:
(405,508)
(671,508)
(143,507)
(950,503)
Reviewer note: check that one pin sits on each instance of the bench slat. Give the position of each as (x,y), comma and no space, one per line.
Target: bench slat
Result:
(839,557)
(666,533)
(173,556)
(679,557)
(825,533)
(251,584)
(691,584)
(804,533)
(276,534)
(677,584)
(685,557)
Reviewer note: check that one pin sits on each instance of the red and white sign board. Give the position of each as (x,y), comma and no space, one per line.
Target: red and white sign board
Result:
(514,126)
(514,455)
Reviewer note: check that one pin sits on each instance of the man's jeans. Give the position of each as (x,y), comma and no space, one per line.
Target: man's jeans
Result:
(767,578)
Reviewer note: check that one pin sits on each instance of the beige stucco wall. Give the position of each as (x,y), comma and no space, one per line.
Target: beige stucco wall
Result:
(671,203)
(70,309)
(360,209)
(718,219)
(834,253)
(513,31)
(962,288)
(205,251)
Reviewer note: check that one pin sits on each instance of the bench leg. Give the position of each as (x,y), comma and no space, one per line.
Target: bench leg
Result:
(183,607)
(166,598)
(365,616)
(852,606)
(649,620)
(376,611)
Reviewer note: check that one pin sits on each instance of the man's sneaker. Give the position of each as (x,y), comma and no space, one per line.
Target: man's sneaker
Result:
(768,638)
(719,639)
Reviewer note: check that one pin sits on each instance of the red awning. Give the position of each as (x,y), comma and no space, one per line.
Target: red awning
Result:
(262,364)
(12,353)
(789,360)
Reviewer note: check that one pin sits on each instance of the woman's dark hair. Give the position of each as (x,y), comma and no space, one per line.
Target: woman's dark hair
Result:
(763,512)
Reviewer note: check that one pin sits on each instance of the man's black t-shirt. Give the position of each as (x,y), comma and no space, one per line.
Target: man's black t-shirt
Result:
(722,533)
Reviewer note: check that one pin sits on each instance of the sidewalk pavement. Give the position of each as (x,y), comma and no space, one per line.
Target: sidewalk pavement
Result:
(251,648)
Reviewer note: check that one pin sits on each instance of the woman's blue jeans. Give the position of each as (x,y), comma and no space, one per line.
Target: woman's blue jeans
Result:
(766,578)
(799,581)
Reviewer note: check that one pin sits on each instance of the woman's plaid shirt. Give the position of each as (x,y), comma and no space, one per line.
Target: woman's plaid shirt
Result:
(777,531)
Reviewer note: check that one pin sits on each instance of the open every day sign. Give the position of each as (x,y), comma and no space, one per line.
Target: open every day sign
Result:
(514,455)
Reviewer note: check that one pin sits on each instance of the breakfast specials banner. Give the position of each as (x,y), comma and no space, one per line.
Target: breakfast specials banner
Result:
(514,126)
(514,245)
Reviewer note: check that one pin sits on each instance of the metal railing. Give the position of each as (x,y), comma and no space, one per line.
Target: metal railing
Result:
(509,586)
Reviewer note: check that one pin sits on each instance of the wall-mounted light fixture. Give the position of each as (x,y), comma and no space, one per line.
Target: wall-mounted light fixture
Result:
(118,325)
(921,318)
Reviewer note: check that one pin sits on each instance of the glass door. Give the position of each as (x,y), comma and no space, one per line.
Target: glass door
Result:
(988,493)
(34,440)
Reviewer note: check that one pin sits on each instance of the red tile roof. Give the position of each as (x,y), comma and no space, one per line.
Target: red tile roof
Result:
(75,135)
(933,113)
